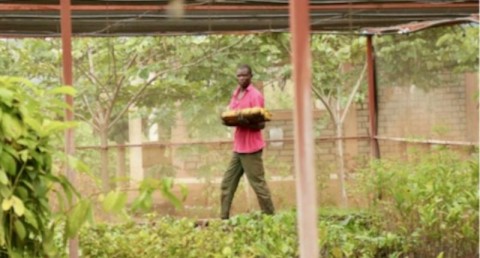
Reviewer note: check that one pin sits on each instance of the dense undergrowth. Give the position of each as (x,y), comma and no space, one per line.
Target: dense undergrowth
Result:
(424,207)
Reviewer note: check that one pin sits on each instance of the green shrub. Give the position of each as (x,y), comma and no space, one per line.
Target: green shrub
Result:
(254,235)
(356,234)
(26,177)
(428,208)
(431,200)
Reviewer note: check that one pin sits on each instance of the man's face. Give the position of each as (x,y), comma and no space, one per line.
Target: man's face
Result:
(243,77)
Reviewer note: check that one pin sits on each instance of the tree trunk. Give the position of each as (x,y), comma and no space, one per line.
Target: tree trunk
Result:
(105,174)
(341,164)
(121,165)
(340,156)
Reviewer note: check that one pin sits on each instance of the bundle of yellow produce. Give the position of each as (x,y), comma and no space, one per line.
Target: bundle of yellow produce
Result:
(252,115)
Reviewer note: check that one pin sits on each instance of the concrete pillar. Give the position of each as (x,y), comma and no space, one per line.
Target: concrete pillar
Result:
(471,102)
(179,135)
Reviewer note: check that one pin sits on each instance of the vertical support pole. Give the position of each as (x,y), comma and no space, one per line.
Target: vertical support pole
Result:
(303,118)
(66,28)
(372,98)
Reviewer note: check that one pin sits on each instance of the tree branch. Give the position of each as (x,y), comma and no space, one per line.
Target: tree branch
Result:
(115,79)
(151,80)
(92,78)
(118,84)
(89,108)
(84,119)
(325,103)
(352,94)
(91,74)
(114,61)
(124,75)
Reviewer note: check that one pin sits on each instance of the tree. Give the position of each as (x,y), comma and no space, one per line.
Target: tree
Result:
(160,74)
(416,58)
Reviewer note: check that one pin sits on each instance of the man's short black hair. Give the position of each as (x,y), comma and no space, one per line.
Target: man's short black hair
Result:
(246,66)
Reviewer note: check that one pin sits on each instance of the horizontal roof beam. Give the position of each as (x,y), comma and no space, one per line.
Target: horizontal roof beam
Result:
(323,7)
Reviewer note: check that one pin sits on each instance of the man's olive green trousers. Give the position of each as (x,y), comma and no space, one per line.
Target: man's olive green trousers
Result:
(252,165)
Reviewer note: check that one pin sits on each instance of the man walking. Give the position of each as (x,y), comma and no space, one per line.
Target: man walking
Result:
(247,148)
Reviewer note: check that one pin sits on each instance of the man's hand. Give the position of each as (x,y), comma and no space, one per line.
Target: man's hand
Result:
(242,121)
(257,126)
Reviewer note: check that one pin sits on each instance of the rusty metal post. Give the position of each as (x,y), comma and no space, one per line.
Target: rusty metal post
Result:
(303,118)
(66,28)
(372,98)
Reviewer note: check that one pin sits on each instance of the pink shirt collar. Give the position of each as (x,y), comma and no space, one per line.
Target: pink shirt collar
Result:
(249,87)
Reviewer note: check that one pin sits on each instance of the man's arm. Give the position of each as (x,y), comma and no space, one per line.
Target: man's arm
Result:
(259,102)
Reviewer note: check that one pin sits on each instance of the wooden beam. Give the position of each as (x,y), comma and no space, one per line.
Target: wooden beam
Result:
(321,7)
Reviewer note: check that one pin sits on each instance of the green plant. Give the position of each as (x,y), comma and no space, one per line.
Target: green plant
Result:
(26,178)
(347,234)
(431,200)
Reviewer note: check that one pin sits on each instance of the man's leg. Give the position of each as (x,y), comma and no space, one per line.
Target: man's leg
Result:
(229,184)
(253,167)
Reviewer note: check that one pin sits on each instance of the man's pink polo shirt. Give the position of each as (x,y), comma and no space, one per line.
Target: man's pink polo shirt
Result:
(247,140)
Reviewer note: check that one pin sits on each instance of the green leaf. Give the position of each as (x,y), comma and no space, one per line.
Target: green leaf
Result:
(30,219)
(51,127)
(9,164)
(60,200)
(227,251)
(18,206)
(77,217)
(11,126)
(23,155)
(7,204)
(14,254)
(5,192)
(67,90)
(20,229)
(114,201)
(2,231)
(166,190)
(143,74)
(21,192)
(49,244)
(143,201)
(184,192)
(6,96)
(34,124)
(3,177)
(79,166)
(9,149)
(337,252)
